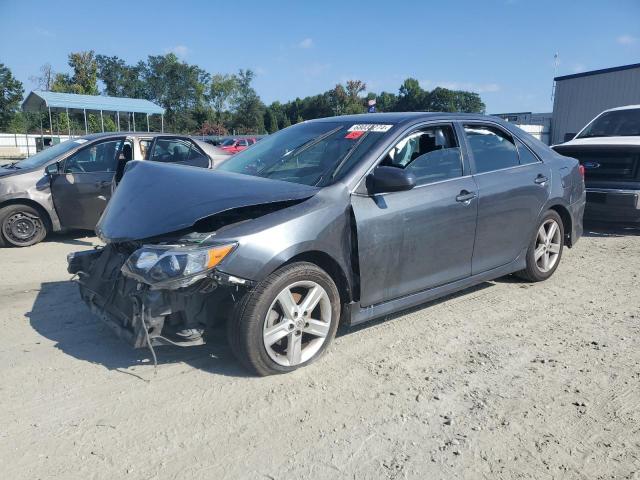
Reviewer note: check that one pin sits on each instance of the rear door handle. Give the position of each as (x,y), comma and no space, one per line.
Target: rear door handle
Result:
(541,179)
(465,197)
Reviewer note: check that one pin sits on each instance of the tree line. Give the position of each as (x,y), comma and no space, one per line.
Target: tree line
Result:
(200,102)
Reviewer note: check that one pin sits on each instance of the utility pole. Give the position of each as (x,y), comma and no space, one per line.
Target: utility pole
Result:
(556,63)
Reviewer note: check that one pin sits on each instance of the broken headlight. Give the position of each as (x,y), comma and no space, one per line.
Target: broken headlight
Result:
(174,266)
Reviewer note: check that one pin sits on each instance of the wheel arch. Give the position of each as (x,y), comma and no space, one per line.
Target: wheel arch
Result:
(33,204)
(567,221)
(329,265)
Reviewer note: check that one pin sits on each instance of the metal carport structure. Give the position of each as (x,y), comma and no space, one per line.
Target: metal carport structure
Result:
(42,101)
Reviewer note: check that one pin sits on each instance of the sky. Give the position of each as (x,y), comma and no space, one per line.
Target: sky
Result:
(502,49)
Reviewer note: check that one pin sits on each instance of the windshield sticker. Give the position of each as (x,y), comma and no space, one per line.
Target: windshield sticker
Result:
(81,141)
(370,127)
(354,135)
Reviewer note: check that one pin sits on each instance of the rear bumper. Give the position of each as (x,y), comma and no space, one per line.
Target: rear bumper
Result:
(576,209)
(613,205)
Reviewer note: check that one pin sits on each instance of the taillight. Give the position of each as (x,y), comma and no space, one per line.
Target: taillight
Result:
(581,169)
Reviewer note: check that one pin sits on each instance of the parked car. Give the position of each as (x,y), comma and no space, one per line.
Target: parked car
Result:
(235,145)
(68,185)
(343,219)
(608,149)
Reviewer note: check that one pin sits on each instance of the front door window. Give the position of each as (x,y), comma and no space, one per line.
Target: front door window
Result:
(101,157)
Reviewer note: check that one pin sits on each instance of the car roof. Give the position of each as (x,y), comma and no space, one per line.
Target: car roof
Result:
(402,117)
(626,107)
(96,136)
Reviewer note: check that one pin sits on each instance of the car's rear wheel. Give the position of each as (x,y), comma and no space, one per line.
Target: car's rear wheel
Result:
(287,321)
(21,226)
(545,250)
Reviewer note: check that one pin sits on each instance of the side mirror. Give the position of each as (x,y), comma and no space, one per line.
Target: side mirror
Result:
(390,179)
(52,169)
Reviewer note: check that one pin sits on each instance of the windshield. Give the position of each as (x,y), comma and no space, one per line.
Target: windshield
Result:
(619,123)
(48,154)
(228,143)
(314,153)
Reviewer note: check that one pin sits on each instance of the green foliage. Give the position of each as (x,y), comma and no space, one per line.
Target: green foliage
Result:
(221,89)
(10,96)
(196,101)
(249,109)
(178,87)
(120,79)
(85,72)
(270,121)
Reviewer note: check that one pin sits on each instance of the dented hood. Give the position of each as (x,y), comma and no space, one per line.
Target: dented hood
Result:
(159,198)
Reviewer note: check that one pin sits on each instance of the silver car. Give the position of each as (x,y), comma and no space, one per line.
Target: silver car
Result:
(67,186)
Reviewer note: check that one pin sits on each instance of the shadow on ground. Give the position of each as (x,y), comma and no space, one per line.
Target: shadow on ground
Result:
(74,237)
(59,314)
(600,229)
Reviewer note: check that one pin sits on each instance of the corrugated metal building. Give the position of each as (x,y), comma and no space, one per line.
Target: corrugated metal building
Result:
(580,97)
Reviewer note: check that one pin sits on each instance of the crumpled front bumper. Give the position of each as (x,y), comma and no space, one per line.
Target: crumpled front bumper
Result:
(138,315)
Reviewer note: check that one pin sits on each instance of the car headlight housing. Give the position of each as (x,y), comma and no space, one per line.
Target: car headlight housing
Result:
(174,266)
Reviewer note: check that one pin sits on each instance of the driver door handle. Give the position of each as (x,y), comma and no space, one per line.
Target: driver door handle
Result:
(541,179)
(103,183)
(465,197)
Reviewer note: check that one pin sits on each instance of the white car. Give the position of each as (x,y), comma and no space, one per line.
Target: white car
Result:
(608,149)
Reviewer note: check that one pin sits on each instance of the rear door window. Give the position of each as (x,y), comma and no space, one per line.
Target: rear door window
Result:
(526,155)
(145,150)
(171,150)
(492,147)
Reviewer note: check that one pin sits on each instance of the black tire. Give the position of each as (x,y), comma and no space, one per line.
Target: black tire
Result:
(245,328)
(533,271)
(21,226)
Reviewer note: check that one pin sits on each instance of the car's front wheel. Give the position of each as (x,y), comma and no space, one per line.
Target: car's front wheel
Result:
(21,226)
(545,250)
(287,321)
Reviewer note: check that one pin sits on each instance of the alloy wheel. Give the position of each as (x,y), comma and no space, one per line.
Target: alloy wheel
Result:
(297,323)
(548,244)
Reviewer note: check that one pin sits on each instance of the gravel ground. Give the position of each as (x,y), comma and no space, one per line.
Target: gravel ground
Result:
(505,380)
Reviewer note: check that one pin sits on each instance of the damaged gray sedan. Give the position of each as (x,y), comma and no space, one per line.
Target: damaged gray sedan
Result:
(337,220)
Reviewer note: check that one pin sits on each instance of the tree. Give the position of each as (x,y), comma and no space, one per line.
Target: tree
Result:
(10,96)
(85,72)
(386,102)
(411,97)
(62,83)
(355,88)
(221,91)
(212,129)
(178,87)
(248,108)
(338,99)
(445,100)
(120,79)
(84,79)
(44,81)
(270,120)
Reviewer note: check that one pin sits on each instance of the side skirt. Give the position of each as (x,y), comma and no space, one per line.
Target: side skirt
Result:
(359,315)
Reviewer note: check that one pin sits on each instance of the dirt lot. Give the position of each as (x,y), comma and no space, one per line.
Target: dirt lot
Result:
(506,380)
